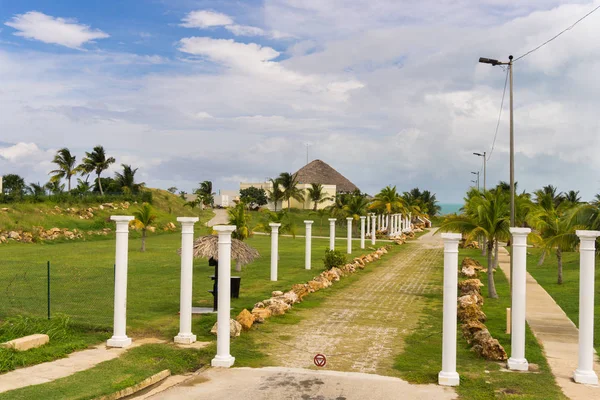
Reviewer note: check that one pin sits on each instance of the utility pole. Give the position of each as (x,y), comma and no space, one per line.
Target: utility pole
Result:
(476,173)
(512,149)
(484,166)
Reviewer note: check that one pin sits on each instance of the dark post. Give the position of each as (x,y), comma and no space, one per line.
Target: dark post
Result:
(48,276)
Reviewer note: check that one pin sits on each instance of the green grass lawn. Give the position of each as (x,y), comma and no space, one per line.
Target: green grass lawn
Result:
(566,295)
(111,376)
(479,379)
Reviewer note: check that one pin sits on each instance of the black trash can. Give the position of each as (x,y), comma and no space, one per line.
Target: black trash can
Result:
(235,286)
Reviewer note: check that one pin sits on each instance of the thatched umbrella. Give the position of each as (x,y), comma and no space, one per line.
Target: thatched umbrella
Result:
(208,246)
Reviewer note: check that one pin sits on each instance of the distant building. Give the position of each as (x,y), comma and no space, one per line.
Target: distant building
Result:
(227,198)
(316,171)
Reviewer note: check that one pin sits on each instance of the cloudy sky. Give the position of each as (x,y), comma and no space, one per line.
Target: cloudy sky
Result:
(385,91)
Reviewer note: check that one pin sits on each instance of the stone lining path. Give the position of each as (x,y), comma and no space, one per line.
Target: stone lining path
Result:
(557,334)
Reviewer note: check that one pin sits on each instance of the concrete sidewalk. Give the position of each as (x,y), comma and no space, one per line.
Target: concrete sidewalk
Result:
(557,334)
(294,383)
(75,362)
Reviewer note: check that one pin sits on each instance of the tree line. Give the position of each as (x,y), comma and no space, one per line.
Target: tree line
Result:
(93,163)
(553,217)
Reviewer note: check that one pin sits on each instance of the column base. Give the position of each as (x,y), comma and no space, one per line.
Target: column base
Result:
(185,338)
(118,341)
(516,364)
(448,378)
(223,362)
(585,377)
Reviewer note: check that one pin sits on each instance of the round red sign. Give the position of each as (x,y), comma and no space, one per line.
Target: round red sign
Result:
(320,360)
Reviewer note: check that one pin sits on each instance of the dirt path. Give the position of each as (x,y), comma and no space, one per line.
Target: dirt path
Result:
(361,328)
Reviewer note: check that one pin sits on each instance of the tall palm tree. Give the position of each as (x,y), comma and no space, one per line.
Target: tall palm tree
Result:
(145,217)
(205,193)
(54,186)
(97,162)
(282,217)
(275,195)
(36,190)
(66,166)
(317,195)
(555,229)
(289,185)
(239,217)
(126,179)
(572,196)
(356,206)
(389,201)
(488,216)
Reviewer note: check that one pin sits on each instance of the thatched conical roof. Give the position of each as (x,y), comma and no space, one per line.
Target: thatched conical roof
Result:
(208,246)
(318,171)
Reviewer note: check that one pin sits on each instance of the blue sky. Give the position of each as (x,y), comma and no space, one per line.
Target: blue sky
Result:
(387,92)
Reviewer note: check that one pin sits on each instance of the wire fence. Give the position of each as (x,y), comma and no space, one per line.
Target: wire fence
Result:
(44,289)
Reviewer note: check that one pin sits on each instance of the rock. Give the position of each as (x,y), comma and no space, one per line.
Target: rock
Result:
(321,279)
(315,285)
(14,235)
(278,307)
(260,304)
(276,293)
(467,300)
(171,226)
(290,297)
(488,347)
(260,314)
(468,271)
(246,319)
(470,262)
(27,342)
(235,329)
(3,239)
(470,286)
(4,209)
(471,312)
(470,328)
(301,290)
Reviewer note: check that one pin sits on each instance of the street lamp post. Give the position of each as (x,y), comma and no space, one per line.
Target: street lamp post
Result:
(512,136)
(476,173)
(484,166)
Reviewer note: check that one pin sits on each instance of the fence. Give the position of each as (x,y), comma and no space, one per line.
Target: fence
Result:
(44,289)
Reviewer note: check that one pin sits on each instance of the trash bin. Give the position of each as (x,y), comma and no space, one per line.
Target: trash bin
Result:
(235,286)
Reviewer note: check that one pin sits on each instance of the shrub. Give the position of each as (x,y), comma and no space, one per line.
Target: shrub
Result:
(334,258)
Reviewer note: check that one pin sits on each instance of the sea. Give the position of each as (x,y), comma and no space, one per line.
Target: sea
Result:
(450,208)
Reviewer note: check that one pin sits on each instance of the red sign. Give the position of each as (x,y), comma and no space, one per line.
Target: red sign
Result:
(320,360)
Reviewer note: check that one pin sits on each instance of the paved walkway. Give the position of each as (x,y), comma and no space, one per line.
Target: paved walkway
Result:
(75,362)
(360,329)
(556,333)
(290,384)
(220,217)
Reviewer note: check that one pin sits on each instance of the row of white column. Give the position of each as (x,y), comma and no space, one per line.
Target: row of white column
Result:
(585,371)
(395,224)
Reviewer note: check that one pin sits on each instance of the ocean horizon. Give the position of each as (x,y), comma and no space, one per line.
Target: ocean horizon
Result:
(450,208)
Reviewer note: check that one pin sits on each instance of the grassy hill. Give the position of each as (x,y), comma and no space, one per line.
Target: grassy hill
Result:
(87,219)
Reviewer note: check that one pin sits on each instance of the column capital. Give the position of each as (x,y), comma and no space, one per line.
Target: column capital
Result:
(349,219)
(122,218)
(587,234)
(520,231)
(363,217)
(332,219)
(309,222)
(274,224)
(187,220)
(451,237)
(224,229)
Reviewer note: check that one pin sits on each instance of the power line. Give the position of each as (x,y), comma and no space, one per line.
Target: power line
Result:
(499,116)
(554,37)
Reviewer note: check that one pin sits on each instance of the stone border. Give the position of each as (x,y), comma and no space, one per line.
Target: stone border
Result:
(137,387)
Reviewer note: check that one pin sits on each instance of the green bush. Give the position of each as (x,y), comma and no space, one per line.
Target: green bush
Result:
(334,258)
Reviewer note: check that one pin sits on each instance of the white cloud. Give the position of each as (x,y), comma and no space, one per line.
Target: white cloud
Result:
(206,19)
(227,51)
(45,28)
(245,30)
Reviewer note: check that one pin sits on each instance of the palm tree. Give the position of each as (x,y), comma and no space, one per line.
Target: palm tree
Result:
(54,186)
(144,218)
(276,194)
(281,217)
(317,195)
(555,229)
(489,216)
(82,187)
(126,180)
(572,196)
(239,217)
(205,193)
(36,190)
(97,162)
(66,166)
(548,196)
(321,213)
(289,184)
(388,201)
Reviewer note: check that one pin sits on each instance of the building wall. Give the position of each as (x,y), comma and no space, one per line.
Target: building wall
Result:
(330,191)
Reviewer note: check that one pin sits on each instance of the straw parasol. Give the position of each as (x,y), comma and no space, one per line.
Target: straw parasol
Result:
(208,246)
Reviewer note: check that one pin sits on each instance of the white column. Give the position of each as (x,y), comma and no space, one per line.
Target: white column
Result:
(362,231)
(448,375)
(410,221)
(185,335)
(349,235)
(400,224)
(119,338)
(379,221)
(308,253)
(517,360)
(368,224)
(332,233)
(391,227)
(374,218)
(274,249)
(587,248)
(223,358)
(387,223)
